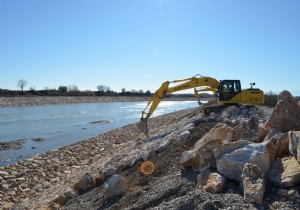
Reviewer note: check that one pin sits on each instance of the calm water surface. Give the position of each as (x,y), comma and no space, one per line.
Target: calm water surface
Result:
(60,125)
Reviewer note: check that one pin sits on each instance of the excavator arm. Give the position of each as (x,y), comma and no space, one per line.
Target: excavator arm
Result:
(208,84)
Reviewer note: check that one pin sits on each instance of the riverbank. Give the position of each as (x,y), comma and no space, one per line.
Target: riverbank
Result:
(31,183)
(51,100)
(51,178)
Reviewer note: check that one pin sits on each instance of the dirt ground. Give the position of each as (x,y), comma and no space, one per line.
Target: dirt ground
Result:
(173,187)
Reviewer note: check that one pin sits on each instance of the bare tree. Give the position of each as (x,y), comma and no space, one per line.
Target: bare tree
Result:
(73,88)
(63,89)
(103,88)
(22,83)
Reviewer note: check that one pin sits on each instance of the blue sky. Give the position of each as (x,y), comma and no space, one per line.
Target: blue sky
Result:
(138,44)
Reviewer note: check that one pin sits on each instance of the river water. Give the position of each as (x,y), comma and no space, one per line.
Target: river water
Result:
(43,128)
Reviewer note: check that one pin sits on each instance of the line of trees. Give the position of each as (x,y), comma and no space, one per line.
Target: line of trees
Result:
(71,90)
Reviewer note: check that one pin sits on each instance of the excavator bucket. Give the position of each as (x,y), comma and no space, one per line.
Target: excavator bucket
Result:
(143,126)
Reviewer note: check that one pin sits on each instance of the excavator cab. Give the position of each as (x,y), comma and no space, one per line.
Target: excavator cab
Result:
(228,89)
(230,92)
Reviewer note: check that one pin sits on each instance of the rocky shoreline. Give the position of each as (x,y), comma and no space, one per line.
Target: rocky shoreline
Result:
(51,100)
(37,181)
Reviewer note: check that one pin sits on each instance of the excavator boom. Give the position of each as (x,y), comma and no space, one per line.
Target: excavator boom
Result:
(209,83)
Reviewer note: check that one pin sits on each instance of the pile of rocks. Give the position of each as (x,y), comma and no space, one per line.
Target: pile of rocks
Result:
(237,114)
(147,148)
(250,153)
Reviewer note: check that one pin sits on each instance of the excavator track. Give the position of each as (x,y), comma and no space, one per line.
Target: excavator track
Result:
(214,108)
(217,108)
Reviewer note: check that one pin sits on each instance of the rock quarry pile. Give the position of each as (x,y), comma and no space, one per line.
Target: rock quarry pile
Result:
(244,147)
(253,152)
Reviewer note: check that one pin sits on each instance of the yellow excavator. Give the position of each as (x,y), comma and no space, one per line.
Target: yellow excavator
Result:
(228,92)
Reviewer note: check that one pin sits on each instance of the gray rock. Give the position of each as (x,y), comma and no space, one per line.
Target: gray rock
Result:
(163,145)
(231,164)
(253,183)
(228,148)
(115,185)
(190,159)
(182,137)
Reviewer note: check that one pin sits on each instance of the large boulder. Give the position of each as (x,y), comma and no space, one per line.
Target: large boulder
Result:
(286,114)
(211,182)
(231,164)
(285,172)
(220,131)
(253,183)
(280,140)
(115,185)
(247,130)
(201,159)
(201,156)
(228,148)
(294,143)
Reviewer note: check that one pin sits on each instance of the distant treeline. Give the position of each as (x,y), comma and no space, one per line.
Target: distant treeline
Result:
(270,99)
